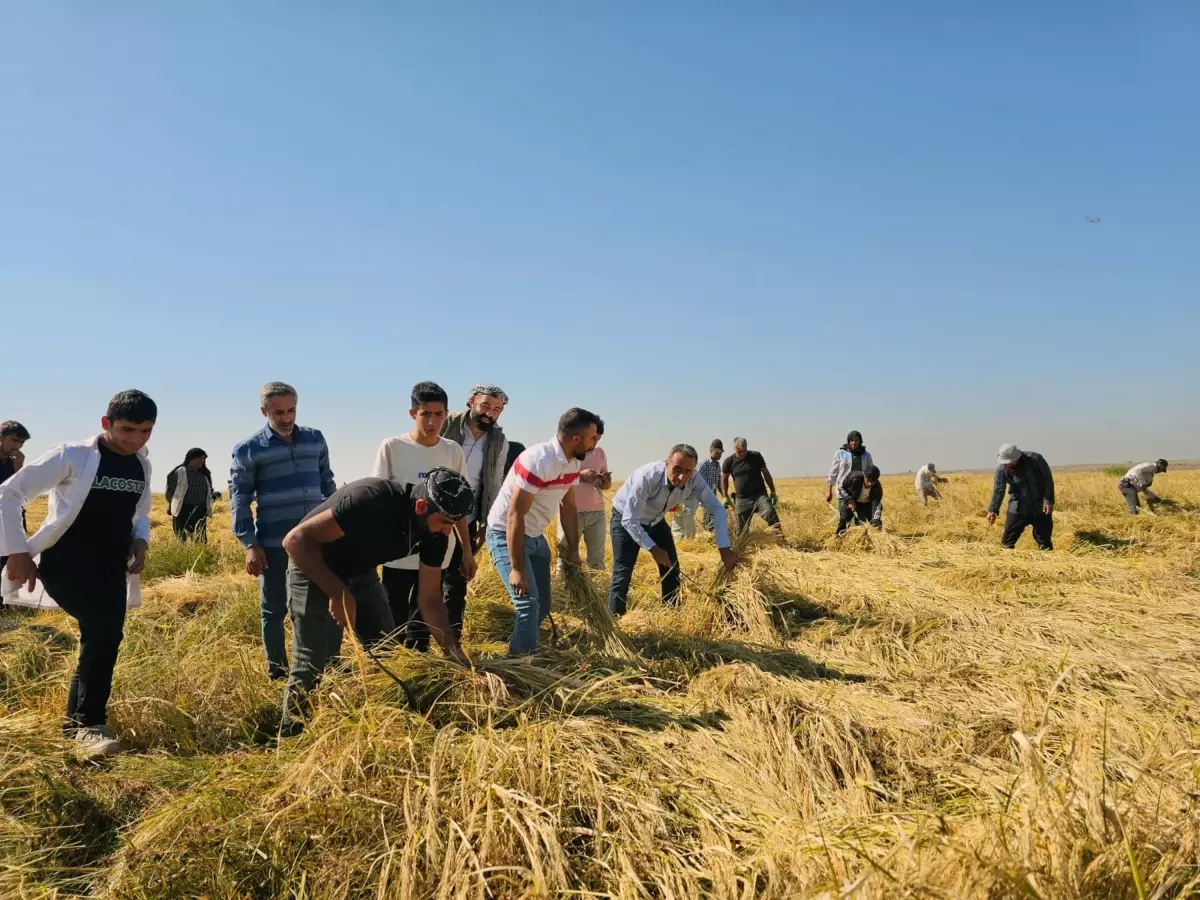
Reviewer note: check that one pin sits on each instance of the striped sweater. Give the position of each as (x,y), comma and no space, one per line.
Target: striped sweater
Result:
(285,480)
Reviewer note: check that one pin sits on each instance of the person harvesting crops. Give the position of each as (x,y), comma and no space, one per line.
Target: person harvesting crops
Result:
(860,497)
(1030,484)
(1137,481)
(190,496)
(852,456)
(927,481)
(751,483)
(639,522)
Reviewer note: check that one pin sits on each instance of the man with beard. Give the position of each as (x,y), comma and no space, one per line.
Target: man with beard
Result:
(852,456)
(539,484)
(1030,485)
(484,452)
(332,579)
(751,482)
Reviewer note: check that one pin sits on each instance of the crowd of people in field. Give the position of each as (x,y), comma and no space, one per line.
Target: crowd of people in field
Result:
(437,495)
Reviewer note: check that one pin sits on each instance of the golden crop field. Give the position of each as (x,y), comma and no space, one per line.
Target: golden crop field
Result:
(916,713)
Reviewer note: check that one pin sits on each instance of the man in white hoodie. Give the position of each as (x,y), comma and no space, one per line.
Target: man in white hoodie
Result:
(89,550)
(1137,481)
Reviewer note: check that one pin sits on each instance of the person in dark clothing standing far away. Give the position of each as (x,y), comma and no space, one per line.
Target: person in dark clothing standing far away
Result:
(284,469)
(332,578)
(13,436)
(1137,481)
(639,522)
(860,496)
(407,459)
(751,481)
(538,485)
(92,547)
(1030,485)
(190,497)
(852,456)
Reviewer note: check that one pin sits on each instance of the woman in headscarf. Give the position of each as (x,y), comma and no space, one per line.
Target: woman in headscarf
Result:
(190,496)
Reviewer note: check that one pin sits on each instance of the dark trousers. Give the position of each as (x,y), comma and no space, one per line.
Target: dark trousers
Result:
(274,590)
(191,524)
(317,638)
(863,512)
(1016,522)
(401,588)
(744,510)
(454,586)
(625,553)
(96,600)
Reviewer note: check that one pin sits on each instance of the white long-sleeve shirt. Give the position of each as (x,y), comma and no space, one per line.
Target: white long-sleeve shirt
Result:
(646,497)
(1142,475)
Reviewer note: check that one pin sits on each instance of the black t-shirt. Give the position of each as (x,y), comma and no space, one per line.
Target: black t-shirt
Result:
(8,468)
(379,525)
(747,476)
(102,534)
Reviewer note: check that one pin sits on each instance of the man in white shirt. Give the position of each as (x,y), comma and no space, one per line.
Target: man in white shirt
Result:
(639,522)
(1138,480)
(538,484)
(927,479)
(406,459)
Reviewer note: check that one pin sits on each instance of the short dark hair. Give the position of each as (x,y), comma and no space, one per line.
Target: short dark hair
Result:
(872,473)
(575,420)
(428,392)
(685,449)
(1158,463)
(132,406)
(15,429)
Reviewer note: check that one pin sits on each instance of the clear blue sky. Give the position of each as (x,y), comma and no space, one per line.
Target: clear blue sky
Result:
(782,220)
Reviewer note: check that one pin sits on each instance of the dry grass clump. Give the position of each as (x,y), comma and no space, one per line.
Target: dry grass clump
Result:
(909,713)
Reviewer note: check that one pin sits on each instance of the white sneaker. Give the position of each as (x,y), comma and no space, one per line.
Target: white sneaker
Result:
(95,743)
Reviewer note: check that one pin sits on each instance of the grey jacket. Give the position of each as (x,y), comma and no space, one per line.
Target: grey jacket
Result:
(494,455)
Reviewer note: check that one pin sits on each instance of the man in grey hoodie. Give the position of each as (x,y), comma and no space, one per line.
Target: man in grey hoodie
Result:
(1030,484)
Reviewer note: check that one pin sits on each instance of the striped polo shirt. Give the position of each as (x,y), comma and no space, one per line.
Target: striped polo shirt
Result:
(544,471)
(285,480)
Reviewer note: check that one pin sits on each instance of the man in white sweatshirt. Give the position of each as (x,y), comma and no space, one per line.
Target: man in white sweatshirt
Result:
(1137,481)
(89,550)
(406,459)
(926,483)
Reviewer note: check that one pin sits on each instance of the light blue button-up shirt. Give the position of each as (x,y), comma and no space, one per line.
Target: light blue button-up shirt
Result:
(646,497)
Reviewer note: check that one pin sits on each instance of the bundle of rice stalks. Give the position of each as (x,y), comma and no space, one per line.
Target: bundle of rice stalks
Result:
(865,539)
(587,601)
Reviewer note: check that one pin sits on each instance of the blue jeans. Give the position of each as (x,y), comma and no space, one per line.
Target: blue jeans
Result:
(535,605)
(273,584)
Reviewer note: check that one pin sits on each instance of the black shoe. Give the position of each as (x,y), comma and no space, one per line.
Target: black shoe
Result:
(290,728)
(277,674)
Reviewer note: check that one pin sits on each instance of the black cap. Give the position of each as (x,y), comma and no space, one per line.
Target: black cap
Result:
(716,445)
(449,493)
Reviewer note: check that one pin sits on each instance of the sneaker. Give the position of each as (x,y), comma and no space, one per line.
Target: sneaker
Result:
(96,742)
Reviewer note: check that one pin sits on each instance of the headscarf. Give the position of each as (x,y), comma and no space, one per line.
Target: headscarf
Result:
(490,390)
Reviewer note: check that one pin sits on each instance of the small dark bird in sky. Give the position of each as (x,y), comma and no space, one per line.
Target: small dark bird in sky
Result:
(1093,221)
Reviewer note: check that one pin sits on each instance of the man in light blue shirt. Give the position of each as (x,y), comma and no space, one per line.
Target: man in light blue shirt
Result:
(639,522)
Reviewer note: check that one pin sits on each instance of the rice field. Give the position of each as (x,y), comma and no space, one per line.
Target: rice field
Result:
(913,713)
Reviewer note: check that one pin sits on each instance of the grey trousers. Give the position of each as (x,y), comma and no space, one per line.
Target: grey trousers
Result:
(592,529)
(317,638)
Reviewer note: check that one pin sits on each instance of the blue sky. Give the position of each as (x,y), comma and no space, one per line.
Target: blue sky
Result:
(697,219)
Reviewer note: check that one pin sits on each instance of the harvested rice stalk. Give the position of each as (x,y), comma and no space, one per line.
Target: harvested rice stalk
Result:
(589,602)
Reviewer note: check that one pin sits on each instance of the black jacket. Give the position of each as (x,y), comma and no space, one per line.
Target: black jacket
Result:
(852,486)
(1034,487)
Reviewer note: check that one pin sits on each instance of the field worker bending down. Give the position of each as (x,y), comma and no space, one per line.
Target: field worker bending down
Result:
(751,482)
(538,484)
(1137,481)
(927,480)
(860,497)
(639,522)
(332,576)
(852,456)
(1030,485)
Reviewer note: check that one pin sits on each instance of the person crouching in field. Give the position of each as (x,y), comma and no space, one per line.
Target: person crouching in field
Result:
(639,522)
(926,484)
(860,496)
(190,497)
(92,547)
(332,577)
(1030,485)
(1137,481)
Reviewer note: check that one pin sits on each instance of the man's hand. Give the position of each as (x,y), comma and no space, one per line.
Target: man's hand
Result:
(22,568)
(455,653)
(1047,508)
(991,518)
(829,494)
(774,499)
(18,459)
(344,609)
(728,557)
(571,557)
(589,476)
(256,560)
(520,584)
(660,557)
(139,558)
(605,481)
(852,505)
(729,503)
(468,567)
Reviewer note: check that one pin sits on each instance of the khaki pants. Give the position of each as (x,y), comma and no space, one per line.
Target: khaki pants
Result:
(592,529)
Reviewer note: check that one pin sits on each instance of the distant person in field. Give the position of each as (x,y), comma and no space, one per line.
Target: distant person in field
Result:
(476,429)
(927,481)
(589,505)
(284,470)
(753,487)
(539,484)
(88,552)
(860,497)
(13,436)
(407,459)
(639,522)
(190,496)
(332,580)
(1030,484)
(852,456)
(710,471)
(514,450)
(1137,481)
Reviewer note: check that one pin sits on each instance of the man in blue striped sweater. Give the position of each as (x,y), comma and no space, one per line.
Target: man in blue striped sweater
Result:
(285,470)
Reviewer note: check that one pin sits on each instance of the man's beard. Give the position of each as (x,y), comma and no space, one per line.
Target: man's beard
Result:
(581,456)
(482,422)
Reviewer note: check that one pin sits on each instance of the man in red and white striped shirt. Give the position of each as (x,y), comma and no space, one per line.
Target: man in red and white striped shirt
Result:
(539,484)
